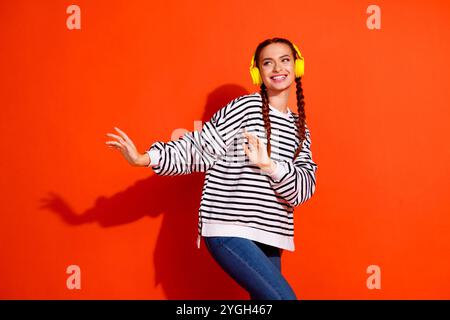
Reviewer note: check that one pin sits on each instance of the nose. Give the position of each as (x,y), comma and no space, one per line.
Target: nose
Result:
(276,67)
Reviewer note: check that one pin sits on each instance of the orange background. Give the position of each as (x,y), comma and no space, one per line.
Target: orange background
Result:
(377,104)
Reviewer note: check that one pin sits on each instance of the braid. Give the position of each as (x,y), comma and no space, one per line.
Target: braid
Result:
(265,112)
(301,115)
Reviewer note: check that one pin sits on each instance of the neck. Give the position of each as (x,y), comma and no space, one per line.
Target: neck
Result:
(279,99)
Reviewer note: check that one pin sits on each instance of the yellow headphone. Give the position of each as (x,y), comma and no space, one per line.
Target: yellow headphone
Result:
(299,68)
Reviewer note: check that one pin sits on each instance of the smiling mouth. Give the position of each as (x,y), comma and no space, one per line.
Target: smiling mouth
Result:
(279,77)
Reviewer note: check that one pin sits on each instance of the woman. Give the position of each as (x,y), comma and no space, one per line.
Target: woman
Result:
(258,163)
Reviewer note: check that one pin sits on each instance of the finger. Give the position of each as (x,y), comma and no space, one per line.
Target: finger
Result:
(252,139)
(246,138)
(251,136)
(244,146)
(127,139)
(116,136)
(124,135)
(114,144)
(251,145)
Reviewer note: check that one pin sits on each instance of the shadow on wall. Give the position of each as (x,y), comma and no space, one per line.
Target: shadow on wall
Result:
(183,271)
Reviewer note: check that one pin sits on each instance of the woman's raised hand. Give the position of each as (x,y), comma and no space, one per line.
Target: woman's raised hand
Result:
(257,152)
(127,148)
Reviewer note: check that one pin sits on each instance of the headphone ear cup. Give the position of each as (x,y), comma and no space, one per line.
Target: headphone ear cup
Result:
(259,79)
(252,73)
(299,67)
(256,76)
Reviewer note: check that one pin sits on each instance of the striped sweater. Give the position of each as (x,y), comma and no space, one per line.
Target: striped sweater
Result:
(238,198)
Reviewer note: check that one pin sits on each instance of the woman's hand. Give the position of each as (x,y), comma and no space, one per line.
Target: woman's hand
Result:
(127,149)
(257,153)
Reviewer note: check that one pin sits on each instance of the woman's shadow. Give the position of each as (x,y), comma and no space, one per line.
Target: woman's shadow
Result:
(183,271)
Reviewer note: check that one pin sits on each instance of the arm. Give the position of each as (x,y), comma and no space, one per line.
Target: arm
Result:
(197,151)
(295,180)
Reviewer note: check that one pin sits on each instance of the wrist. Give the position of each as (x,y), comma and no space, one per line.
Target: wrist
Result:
(270,167)
(143,160)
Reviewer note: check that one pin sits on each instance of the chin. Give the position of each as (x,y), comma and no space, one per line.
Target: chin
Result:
(278,88)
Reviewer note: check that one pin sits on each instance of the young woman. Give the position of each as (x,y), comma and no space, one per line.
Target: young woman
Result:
(258,163)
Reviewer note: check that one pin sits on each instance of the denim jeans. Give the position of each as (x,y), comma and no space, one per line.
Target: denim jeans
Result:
(254,266)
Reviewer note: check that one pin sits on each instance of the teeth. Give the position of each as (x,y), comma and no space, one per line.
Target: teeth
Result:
(278,77)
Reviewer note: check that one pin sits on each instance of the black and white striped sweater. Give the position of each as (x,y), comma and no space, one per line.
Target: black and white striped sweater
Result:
(239,199)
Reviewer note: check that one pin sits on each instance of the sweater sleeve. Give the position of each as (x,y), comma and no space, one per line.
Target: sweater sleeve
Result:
(197,151)
(295,180)
(153,154)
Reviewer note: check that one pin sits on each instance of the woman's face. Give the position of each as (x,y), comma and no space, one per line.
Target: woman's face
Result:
(276,65)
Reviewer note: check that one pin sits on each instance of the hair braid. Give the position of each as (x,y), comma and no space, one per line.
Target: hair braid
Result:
(265,112)
(301,120)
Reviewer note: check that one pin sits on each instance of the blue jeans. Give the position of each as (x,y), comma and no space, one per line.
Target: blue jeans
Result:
(254,266)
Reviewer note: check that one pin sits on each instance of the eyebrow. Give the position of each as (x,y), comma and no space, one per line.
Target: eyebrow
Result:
(286,55)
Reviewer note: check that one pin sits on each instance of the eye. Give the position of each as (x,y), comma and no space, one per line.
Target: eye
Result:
(286,59)
(265,63)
